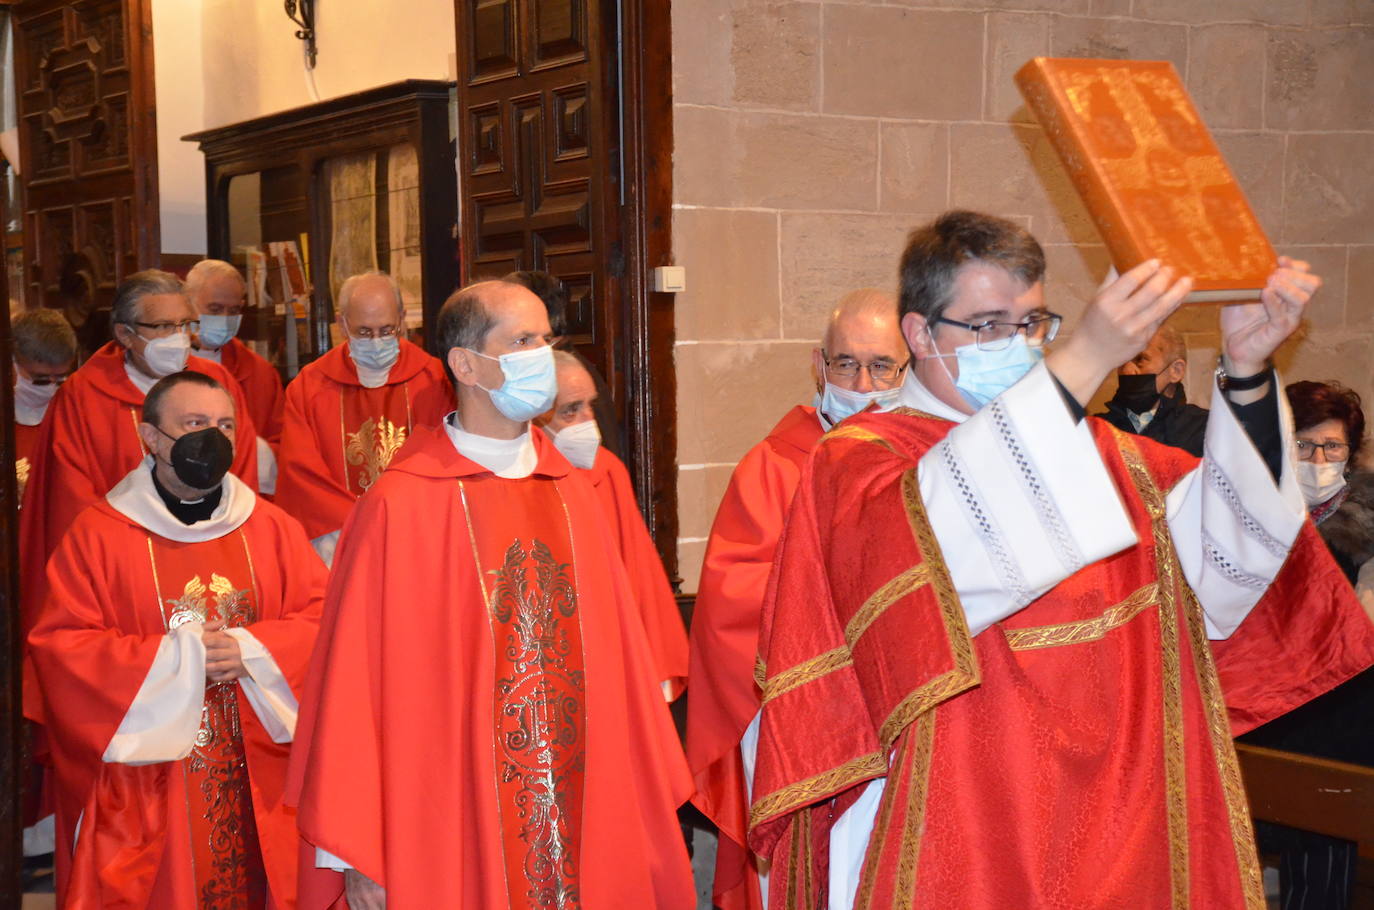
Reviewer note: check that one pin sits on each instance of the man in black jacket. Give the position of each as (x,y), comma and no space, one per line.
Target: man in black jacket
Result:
(1150,400)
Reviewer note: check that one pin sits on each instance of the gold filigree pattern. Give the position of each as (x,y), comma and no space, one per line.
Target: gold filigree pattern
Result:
(1084,630)
(861,434)
(189,607)
(22,469)
(805,792)
(922,740)
(806,672)
(907,582)
(372,447)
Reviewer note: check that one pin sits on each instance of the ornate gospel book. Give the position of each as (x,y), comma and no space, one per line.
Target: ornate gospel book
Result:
(1149,172)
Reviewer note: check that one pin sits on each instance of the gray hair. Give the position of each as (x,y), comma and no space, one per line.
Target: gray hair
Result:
(464,319)
(206,269)
(351,284)
(132,290)
(44,336)
(934,253)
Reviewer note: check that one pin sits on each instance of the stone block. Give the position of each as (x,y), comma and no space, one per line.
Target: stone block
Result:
(1013,39)
(1257,161)
(1270,12)
(701,52)
(1342,12)
(1226,74)
(1325,356)
(690,555)
(775,55)
(1118,39)
(1329,196)
(912,64)
(729,395)
(915,167)
(1328,308)
(1320,79)
(1080,7)
(1359,299)
(731,259)
(699,491)
(766,160)
(826,256)
(1072,276)
(1012,170)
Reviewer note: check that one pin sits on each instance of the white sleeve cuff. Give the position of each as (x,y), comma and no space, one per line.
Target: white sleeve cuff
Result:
(1019,499)
(325,544)
(162,721)
(267,468)
(266,687)
(326,860)
(1232,525)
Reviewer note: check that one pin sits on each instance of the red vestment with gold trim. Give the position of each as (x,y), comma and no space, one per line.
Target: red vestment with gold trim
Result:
(1076,754)
(210,830)
(339,435)
(725,639)
(482,726)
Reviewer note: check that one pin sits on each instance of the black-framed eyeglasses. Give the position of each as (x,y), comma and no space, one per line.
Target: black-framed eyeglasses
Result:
(163,329)
(997,336)
(49,380)
(1334,451)
(848,368)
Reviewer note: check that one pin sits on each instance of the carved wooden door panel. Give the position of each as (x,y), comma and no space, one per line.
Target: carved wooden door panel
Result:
(537,139)
(88,142)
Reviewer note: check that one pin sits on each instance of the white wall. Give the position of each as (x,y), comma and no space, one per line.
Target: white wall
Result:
(222,61)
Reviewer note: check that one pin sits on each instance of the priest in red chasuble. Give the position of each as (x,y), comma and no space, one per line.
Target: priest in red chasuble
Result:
(218,293)
(91,439)
(859,365)
(1005,647)
(482,726)
(349,412)
(572,426)
(44,356)
(170,652)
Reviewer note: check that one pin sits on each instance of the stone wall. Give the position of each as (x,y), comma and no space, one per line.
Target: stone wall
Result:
(811,136)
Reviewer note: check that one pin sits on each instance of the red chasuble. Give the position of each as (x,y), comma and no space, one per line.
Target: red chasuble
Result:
(89,440)
(209,831)
(725,637)
(339,435)
(1077,754)
(654,595)
(482,726)
(261,386)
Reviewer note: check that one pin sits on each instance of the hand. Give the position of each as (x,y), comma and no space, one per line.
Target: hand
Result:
(223,660)
(1117,325)
(362,892)
(1251,332)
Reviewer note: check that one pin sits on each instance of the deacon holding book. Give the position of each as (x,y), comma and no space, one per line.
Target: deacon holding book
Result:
(1006,647)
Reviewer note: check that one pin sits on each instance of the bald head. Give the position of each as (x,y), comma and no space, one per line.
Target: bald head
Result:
(863,330)
(370,303)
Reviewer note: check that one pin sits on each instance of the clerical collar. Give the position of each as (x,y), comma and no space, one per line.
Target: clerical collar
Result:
(208,354)
(187,512)
(138,499)
(141,382)
(509,458)
(914,395)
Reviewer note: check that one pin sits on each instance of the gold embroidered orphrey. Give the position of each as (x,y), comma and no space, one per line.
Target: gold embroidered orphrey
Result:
(21,476)
(372,447)
(539,715)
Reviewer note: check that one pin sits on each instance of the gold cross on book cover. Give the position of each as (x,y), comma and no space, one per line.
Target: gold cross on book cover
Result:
(1149,172)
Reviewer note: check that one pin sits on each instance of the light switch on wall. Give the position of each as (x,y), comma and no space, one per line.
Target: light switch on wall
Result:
(670,279)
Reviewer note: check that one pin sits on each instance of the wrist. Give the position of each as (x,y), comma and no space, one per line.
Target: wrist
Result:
(1241,369)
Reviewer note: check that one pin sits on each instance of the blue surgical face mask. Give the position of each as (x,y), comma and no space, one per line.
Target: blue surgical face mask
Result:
(217,331)
(375,354)
(530,386)
(836,403)
(983,375)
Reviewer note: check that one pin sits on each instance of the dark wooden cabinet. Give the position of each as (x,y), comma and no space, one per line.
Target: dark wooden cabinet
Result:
(372,172)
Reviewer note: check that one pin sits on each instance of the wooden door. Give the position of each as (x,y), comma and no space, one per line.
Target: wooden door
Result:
(564,149)
(88,144)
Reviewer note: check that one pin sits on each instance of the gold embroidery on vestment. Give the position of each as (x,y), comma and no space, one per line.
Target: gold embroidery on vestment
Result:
(21,476)
(1084,630)
(373,446)
(805,792)
(860,434)
(907,582)
(806,672)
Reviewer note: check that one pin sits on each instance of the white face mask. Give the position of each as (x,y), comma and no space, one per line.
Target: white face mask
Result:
(166,356)
(579,443)
(31,398)
(1319,482)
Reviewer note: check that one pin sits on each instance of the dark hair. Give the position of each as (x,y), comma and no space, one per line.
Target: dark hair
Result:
(464,320)
(132,290)
(551,290)
(152,402)
(44,336)
(934,253)
(1318,402)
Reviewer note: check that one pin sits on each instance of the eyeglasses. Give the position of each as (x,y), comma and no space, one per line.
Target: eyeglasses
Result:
(385,332)
(997,336)
(48,380)
(1334,451)
(848,368)
(163,329)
